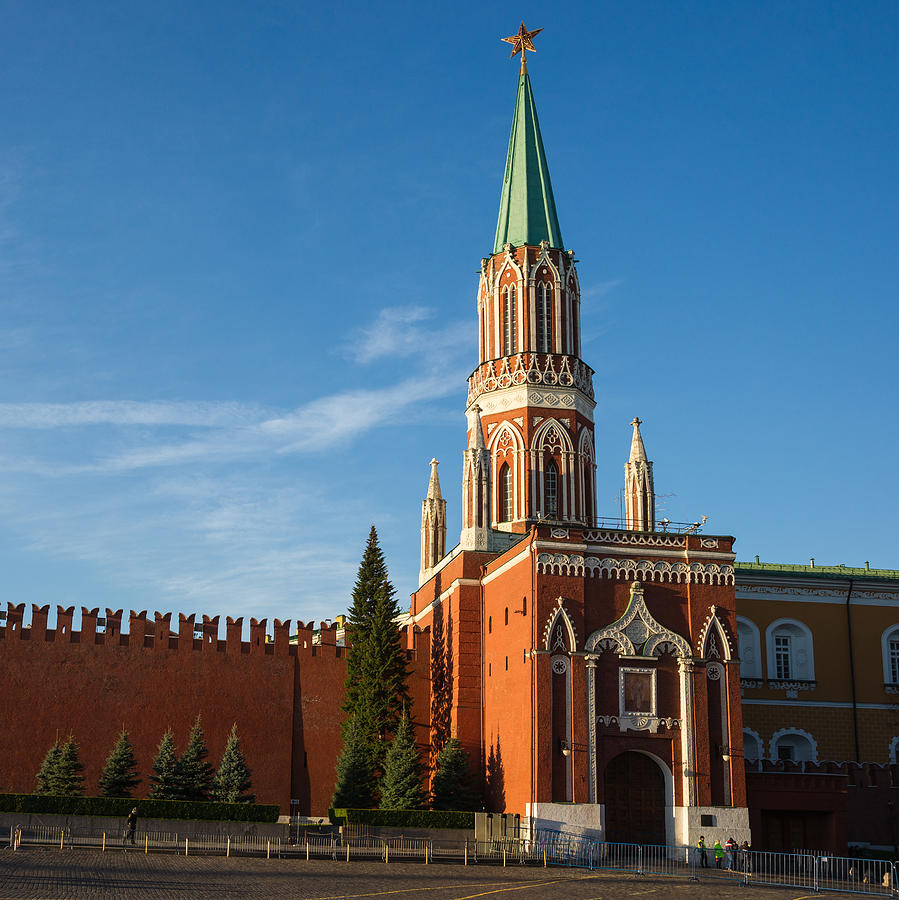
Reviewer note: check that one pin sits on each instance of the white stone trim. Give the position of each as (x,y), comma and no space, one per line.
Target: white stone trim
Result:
(641,569)
(808,674)
(711,627)
(885,650)
(758,739)
(811,704)
(755,670)
(560,613)
(637,628)
(783,732)
(894,744)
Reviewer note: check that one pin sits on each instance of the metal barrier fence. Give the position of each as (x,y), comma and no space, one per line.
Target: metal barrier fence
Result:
(547,848)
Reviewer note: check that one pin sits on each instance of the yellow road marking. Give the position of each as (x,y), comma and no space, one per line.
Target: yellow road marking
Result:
(504,890)
(440,887)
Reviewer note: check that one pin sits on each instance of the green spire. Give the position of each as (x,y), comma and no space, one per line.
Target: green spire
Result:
(527,211)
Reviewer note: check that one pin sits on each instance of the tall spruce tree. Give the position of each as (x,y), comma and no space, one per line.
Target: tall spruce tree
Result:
(401,784)
(47,777)
(375,688)
(453,786)
(193,772)
(355,788)
(119,776)
(232,779)
(164,782)
(69,781)
(371,575)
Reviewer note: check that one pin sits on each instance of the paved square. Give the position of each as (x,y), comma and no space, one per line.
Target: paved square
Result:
(42,874)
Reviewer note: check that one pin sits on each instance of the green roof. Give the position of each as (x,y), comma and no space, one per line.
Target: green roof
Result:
(527,211)
(854,572)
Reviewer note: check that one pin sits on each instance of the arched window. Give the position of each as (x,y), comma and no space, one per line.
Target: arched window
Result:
(750,651)
(509,320)
(506,495)
(794,744)
(551,490)
(790,651)
(544,318)
(890,647)
(752,745)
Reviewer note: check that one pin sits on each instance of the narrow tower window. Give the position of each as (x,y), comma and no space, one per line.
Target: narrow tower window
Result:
(544,318)
(506,496)
(509,321)
(551,490)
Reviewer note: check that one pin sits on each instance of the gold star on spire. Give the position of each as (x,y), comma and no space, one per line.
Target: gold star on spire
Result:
(522,41)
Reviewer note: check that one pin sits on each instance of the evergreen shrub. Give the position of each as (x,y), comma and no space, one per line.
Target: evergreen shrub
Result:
(146,809)
(403,818)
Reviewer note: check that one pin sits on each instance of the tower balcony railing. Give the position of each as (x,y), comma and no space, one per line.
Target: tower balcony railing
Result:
(547,369)
(606,523)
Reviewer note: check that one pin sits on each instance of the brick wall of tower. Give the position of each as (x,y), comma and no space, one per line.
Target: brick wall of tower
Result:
(284,696)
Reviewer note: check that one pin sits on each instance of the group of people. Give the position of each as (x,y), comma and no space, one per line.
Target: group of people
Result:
(728,855)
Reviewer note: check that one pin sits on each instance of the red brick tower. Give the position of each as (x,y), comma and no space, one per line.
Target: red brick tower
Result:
(530,400)
(590,670)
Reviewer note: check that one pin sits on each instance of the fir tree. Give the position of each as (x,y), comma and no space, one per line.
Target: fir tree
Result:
(119,777)
(193,772)
(386,665)
(232,780)
(164,781)
(375,687)
(452,786)
(401,785)
(47,778)
(355,788)
(69,781)
(371,575)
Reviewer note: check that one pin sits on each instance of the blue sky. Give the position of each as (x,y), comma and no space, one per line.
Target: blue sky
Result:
(238,255)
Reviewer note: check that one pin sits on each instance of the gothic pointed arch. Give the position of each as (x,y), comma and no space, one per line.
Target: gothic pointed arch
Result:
(559,634)
(714,639)
(551,436)
(637,633)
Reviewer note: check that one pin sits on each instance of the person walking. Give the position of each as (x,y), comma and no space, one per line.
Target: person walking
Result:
(703,856)
(719,853)
(132,824)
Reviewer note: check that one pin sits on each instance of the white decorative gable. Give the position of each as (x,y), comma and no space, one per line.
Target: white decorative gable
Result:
(637,633)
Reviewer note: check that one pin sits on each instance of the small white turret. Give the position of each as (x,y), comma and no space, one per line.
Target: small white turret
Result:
(433,527)
(639,492)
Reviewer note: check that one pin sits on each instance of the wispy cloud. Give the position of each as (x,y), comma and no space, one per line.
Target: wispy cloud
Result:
(126,412)
(397,332)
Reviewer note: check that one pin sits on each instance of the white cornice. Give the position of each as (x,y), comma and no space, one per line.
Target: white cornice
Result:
(523,396)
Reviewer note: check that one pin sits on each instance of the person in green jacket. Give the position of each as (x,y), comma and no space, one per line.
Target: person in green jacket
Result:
(719,853)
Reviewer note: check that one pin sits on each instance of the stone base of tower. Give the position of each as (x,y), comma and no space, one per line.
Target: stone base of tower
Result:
(683,824)
(729,822)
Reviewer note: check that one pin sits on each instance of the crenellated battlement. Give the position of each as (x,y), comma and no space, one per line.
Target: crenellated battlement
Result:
(157,635)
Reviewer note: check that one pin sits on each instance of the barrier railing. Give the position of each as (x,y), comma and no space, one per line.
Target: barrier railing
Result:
(547,848)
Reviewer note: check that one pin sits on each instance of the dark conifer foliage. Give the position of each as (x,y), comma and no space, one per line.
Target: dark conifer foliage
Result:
(164,780)
(376,693)
(401,784)
(47,777)
(119,777)
(355,788)
(231,783)
(194,774)
(453,786)
(69,781)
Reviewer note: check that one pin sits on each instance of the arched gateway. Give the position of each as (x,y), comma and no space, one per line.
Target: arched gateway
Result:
(635,800)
